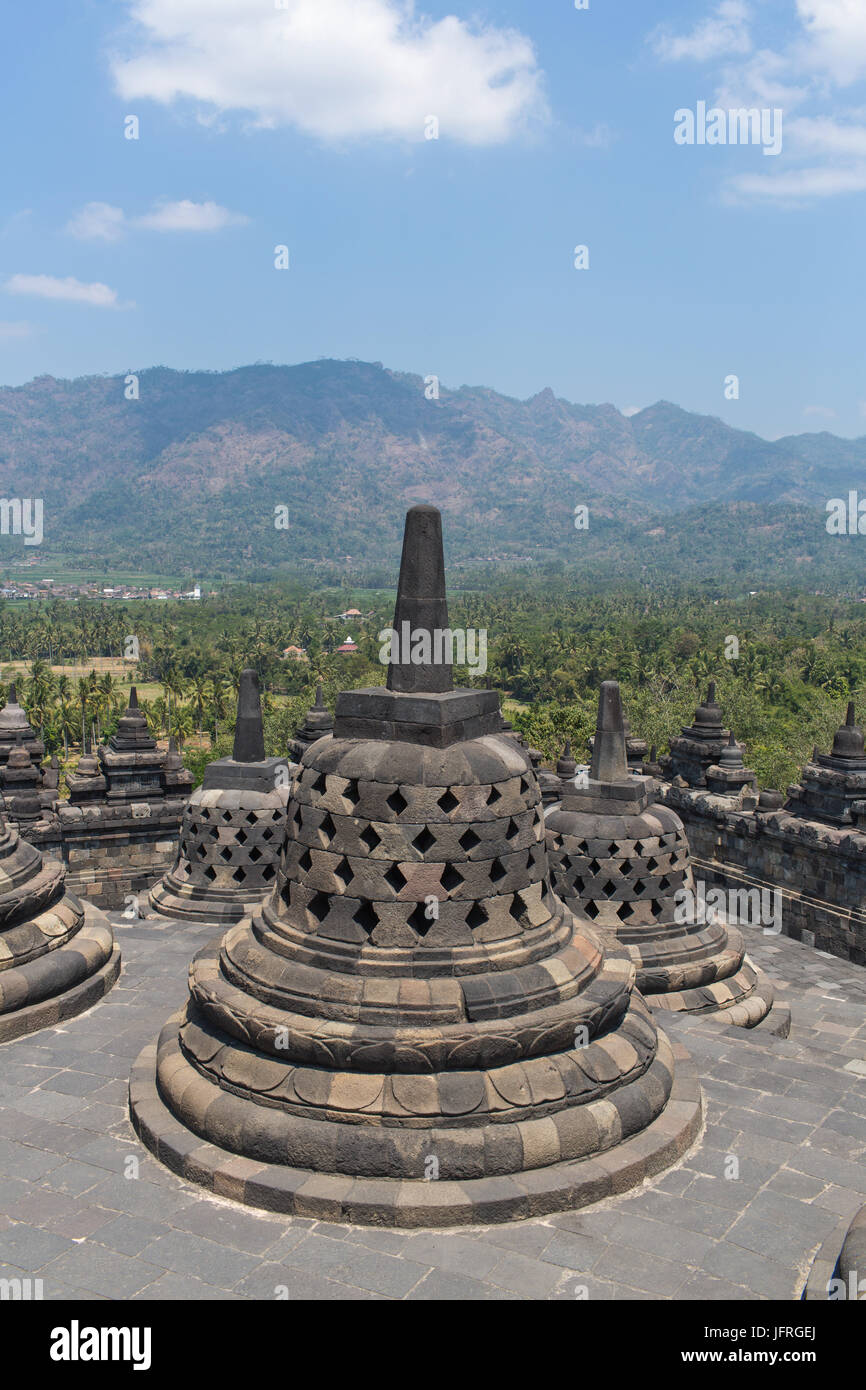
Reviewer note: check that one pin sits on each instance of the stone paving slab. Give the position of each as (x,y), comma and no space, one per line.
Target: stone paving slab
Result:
(774,1180)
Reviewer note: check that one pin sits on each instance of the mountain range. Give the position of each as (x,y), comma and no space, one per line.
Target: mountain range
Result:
(191,472)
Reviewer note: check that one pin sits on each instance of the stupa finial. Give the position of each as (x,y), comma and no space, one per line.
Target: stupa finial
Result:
(249,732)
(421,611)
(609,762)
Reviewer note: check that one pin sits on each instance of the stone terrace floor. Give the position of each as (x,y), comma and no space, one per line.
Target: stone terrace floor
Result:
(792,1113)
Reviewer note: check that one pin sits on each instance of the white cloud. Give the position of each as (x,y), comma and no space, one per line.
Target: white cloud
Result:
(724,32)
(186,216)
(821,52)
(102,222)
(15,330)
(835,38)
(97,222)
(71,290)
(336,69)
(822,411)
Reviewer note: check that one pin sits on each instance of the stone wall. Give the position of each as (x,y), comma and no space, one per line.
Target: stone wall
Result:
(111,852)
(819,870)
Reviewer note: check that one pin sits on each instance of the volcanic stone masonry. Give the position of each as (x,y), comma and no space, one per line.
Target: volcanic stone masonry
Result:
(233,829)
(319,721)
(414,1030)
(811,849)
(57,956)
(623,860)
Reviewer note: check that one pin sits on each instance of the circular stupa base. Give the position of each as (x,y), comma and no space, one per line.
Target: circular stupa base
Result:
(64,982)
(371,1201)
(746,999)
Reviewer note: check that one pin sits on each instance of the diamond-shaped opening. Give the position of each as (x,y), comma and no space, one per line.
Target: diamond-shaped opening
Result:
(395,878)
(210,872)
(255,855)
(239,875)
(328,827)
(517,907)
(320,906)
(494,795)
(319,783)
(305,863)
(213,834)
(193,830)
(613,849)
(419,921)
(513,829)
(448,801)
(664,883)
(241,837)
(624,911)
(476,916)
(557,842)
(343,872)
(351,793)
(591,910)
(469,840)
(451,879)
(251,817)
(625,866)
(652,865)
(370,838)
(566,862)
(498,871)
(397,802)
(638,849)
(226,854)
(267,834)
(524,784)
(656,907)
(594,866)
(366,918)
(582,847)
(424,841)
(608,889)
(578,885)
(201,851)
(278,815)
(268,872)
(639,886)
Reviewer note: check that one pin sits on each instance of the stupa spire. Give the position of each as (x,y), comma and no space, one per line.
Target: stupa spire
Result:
(609,763)
(249,732)
(421,611)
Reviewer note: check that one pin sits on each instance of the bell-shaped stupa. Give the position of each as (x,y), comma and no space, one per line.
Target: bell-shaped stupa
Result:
(319,721)
(57,955)
(233,829)
(414,1030)
(622,858)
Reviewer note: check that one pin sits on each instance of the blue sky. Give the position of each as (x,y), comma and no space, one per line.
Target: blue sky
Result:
(302,124)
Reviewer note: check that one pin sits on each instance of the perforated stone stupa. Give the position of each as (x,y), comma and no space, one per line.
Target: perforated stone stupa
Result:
(16,731)
(57,956)
(622,858)
(233,829)
(700,745)
(414,1030)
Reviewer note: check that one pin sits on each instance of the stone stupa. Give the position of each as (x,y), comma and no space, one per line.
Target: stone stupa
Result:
(57,955)
(700,745)
(318,722)
(414,1030)
(833,783)
(16,731)
(233,829)
(622,858)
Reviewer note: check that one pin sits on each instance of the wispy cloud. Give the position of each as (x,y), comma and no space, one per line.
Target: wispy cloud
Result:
(186,216)
(336,69)
(722,33)
(97,222)
(70,290)
(807,74)
(103,222)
